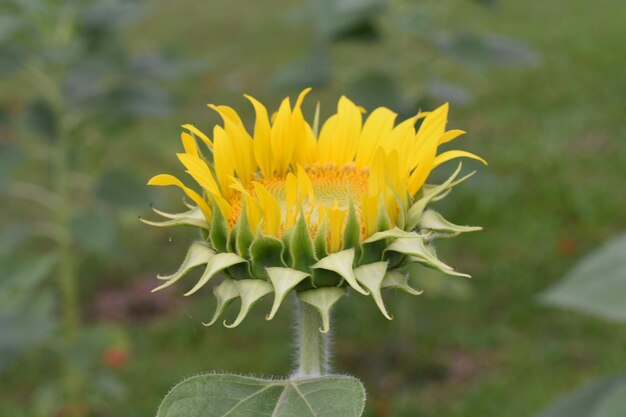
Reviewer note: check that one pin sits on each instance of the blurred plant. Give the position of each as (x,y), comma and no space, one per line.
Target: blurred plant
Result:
(72,86)
(399,27)
(596,285)
(315,212)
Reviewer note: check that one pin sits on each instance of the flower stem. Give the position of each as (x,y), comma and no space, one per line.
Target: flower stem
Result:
(312,344)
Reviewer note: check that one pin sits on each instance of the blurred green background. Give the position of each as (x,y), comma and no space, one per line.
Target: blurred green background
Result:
(92,96)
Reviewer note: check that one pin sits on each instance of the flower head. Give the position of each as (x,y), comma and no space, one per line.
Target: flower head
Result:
(284,207)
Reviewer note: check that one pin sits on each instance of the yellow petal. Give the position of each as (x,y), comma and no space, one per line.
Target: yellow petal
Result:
(201,172)
(446,156)
(305,186)
(270,208)
(302,134)
(241,143)
(166,179)
(262,138)
(189,143)
(340,134)
(282,143)
(336,220)
(377,126)
(450,135)
(291,200)
(204,138)
(223,160)
(253,209)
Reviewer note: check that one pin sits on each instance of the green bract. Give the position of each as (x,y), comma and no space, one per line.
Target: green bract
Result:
(257,265)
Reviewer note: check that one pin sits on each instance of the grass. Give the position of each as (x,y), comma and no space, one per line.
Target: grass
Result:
(555,139)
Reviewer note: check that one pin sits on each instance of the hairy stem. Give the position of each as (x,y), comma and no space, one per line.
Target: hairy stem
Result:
(312,344)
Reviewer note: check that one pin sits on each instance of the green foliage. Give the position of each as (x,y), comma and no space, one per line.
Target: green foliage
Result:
(605,397)
(395,26)
(596,285)
(239,396)
(26,311)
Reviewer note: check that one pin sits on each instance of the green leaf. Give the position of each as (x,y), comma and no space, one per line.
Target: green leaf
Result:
(596,285)
(604,397)
(341,263)
(223,395)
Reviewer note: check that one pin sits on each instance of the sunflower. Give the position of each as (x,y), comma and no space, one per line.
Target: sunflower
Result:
(289,206)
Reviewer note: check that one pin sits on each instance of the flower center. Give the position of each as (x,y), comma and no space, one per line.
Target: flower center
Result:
(333,188)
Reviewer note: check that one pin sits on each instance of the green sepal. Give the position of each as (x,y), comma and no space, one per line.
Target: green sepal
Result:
(265,251)
(324,278)
(352,232)
(418,207)
(180,221)
(431,220)
(321,240)
(394,233)
(198,257)
(197,254)
(218,234)
(283,280)
(231,244)
(418,252)
(322,299)
(286,239)
(301,247)
(224,293)
(250,291)
(217,263)
(372,276)
(341,263)
(244,235)
(400,281)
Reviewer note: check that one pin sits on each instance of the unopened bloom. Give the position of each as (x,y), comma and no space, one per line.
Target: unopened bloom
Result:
(284,207)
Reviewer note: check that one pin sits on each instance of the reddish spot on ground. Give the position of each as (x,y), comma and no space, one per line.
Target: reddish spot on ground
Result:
(115,357)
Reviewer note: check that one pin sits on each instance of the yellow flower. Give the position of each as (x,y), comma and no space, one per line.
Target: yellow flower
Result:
(285,197)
